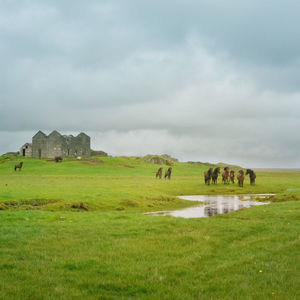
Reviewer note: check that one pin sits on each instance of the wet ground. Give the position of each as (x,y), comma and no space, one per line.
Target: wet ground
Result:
(213,205)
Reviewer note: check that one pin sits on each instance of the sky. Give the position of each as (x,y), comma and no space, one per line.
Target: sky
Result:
(211,81)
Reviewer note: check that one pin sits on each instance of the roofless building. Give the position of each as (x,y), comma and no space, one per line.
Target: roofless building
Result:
(55,144)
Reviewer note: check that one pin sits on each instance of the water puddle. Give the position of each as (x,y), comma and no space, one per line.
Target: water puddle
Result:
(213,205)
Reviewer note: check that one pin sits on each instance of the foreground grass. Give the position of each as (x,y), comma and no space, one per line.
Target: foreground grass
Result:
(66,255)
(75,231)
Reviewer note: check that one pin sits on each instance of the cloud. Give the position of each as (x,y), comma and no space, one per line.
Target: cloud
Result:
(205,80)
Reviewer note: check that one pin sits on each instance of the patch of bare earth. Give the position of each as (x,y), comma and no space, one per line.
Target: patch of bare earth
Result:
(125,166)
(92,162)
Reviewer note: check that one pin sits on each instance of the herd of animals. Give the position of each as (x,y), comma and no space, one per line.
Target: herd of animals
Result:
(210,176)
(228,176)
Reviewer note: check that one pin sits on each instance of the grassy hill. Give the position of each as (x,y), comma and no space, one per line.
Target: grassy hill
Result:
(75,230)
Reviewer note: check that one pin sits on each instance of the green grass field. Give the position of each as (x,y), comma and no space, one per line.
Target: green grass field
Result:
(75,230)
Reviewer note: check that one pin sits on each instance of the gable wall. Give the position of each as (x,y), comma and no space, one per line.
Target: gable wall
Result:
(27,149)
(39,146)
(57,145)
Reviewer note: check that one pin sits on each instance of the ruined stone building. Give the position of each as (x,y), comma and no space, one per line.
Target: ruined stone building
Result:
(26,150)
(55,144)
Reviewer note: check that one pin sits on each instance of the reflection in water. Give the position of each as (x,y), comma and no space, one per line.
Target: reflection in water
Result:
(213,205)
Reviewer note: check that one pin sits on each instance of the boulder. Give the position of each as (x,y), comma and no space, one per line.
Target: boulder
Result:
(98,153)
(169,157)
(157,159)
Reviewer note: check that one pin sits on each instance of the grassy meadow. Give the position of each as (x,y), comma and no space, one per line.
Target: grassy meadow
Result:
(76,230)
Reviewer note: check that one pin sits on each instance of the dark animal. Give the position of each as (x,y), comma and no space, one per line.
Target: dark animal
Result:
(225,175)
(207,176)
(252,176)
(231,176)
(240,177)
(19,166)
(159,173)
(58,159)
(215,175)
(168,173)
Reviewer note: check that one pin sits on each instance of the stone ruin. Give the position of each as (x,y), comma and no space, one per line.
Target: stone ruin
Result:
(55,145)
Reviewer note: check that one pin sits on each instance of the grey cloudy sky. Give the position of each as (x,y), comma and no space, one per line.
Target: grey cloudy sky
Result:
(201,80)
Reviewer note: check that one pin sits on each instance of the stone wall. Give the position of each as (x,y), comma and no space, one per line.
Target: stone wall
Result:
(40,145)
(26,150)
(56,144)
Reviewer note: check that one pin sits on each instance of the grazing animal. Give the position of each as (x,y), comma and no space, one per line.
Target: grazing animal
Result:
(159,173)
(215,175)
(231,176)
(240,177)
(225,175)
(168,173)
(252,176)
(207,176)
(19,166)
(58,159)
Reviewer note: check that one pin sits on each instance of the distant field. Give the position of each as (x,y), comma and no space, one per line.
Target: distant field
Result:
(120,183)
(75,230)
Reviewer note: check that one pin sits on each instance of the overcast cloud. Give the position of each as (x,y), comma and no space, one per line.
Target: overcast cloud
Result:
(201,80)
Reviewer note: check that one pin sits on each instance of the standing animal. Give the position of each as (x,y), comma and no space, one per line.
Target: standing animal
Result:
(168,173)
(240,177)
(225,175)
(252,176)
(58,159)
(19,166)
(207,176)
(215,175)
(231,176)
(159,173)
